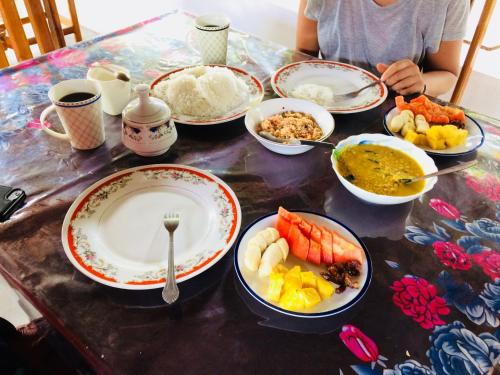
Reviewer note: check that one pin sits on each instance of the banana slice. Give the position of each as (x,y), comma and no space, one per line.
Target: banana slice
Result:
(259,241)
(270,235)
(271,257)
(283,245)
(252,257)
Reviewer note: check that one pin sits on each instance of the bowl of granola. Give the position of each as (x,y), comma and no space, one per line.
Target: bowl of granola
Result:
(289,120)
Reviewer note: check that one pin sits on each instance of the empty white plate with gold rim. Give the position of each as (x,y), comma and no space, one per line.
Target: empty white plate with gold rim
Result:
(339,77)
(114,234)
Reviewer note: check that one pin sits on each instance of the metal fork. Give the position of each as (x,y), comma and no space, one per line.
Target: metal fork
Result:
(353,94)
(170,292)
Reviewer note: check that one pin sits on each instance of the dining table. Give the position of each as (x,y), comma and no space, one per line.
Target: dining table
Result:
(434,299)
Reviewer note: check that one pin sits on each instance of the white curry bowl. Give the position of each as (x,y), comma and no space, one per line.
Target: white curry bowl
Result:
(272,107)
(425,162)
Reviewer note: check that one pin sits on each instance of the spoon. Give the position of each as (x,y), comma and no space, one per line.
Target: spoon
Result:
(295,141)
(455,168)
(118,75)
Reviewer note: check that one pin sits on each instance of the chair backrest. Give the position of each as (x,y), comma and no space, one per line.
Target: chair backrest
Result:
(475,44)
(48,26)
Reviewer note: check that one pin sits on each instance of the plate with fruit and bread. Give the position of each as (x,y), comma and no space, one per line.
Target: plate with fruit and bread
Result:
(302,264)
(438,130)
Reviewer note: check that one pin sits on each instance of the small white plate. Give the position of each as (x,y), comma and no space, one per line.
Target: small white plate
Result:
(257,286)
(114,234)
(341,78)
(255,95)
(274,106)
(474,140)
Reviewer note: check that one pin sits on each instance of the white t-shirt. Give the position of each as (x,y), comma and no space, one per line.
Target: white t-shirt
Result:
(362,33)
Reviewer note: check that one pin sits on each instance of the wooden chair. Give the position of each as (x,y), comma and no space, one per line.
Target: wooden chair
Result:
(48,26)
(475,44)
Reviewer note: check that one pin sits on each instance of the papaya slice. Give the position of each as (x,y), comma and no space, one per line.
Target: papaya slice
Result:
(283,226)
(314,254)
(326,246)
(344,250)
(299,244)
(315,234)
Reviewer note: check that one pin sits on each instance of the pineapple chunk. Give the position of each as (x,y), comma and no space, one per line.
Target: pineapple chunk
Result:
(435,138)
(293,279)
(453,136)
(308,279)
(292,300)
(310,296)
(421,140)
(276,281)
(325,288)
(411,136)
(280,268)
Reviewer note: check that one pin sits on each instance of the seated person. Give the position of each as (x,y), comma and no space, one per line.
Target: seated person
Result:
(394,38)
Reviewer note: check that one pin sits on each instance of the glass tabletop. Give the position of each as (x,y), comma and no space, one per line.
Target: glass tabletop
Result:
(432,305)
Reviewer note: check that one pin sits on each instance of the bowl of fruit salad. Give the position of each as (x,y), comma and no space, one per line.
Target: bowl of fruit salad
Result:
(302,264)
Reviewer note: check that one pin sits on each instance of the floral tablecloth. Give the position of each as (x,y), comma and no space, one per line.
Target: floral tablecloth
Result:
(433,305)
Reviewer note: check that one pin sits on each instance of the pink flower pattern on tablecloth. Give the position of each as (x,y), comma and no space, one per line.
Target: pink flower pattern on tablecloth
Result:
(359,344)
(417,298)
(67,57)
(489,261)
(444,209)
(452,255)
(36,124)
(488,186)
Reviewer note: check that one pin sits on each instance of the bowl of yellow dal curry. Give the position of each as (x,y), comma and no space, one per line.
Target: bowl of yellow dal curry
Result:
(373,167)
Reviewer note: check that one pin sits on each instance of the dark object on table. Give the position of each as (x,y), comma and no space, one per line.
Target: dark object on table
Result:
(342,274)
(10,200)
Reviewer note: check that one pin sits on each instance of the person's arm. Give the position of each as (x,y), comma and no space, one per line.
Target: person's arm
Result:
(405,77)
(306,38)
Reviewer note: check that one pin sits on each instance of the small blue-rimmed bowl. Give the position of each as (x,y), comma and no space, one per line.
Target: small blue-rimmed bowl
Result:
(474,140)
(256,286)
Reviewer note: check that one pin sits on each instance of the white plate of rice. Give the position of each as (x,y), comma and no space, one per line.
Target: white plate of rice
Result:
(320,80)
(208,94)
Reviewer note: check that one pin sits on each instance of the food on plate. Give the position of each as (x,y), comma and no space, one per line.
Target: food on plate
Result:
(319,94)
(271,258)
(202,91)
(258,244)
(379,169)
(433,112)
(421,124)
(327,246)
(415,126)
(441,137)
(296,290)
(291,125)
(342,274)
(398,122)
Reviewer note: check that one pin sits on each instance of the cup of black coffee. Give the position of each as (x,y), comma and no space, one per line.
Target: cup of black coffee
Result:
(78,104)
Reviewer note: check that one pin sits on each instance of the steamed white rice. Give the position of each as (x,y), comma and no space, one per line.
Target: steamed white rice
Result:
(202,91)
(319,94)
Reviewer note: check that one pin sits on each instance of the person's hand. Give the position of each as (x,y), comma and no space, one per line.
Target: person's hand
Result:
(403,76)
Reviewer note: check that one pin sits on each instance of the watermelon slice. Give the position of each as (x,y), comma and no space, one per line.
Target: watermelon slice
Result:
(289,216)
(299,244)
(344,250)
(314,254)
(326,246)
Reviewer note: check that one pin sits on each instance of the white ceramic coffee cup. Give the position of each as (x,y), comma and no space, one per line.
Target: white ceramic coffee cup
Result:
(115,92)
(82,120)
(211,34)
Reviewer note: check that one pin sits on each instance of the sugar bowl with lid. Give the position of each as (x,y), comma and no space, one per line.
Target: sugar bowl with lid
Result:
(147,127)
